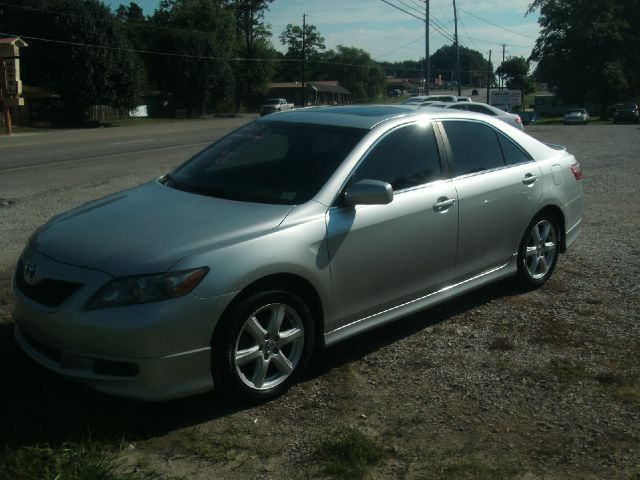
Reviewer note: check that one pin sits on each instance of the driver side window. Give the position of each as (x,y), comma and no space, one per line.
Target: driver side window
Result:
(406,157)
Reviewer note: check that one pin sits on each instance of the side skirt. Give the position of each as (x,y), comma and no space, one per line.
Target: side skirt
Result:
(442,295)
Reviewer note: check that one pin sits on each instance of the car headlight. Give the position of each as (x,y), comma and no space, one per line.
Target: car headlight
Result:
(146,288)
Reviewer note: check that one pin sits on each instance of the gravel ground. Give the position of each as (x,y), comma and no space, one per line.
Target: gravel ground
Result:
(495,384)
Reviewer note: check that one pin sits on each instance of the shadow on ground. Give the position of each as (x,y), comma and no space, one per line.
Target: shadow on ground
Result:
(39,407)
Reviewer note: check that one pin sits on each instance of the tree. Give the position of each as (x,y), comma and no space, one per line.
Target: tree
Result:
(356,71)
(587,49)
(292,36)
(92,64)
(253,75)
(199,34)
(516,73)
(473,66)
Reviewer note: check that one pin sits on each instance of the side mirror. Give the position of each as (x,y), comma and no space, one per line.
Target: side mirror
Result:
(368,192)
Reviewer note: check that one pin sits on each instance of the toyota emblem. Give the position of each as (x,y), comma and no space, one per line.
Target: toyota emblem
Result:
(30,273)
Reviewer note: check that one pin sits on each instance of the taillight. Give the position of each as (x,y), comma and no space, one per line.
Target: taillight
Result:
(576,169)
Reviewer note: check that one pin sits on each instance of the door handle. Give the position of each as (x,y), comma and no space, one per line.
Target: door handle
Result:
(529,179)
(443,203)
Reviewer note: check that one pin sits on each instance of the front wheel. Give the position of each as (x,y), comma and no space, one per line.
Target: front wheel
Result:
(538,252)
(262,346)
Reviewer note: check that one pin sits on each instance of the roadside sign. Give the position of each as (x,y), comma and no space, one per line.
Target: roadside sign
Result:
(12,69)
(13,102)
(14,89)
(505,97)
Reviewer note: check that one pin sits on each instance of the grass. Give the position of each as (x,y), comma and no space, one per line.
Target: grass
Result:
(231,445)
(348,453)
(628,394)
(502,343)
(69,461)
(465,467)
(568,371)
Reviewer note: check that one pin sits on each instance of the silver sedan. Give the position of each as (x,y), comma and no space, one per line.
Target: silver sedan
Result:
(292,233)
(512,119)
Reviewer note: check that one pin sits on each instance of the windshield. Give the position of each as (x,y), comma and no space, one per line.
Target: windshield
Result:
(268,162)
(272,101)
(575,112)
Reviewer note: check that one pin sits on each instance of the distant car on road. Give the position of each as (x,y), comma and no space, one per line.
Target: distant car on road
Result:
(626,112)
(527,117)
(421,99)
(272,105)
(477,107)
(576,116)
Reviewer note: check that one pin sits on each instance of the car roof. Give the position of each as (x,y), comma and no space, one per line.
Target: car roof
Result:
(356,116)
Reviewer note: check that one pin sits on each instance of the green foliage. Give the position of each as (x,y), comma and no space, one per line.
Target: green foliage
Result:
(70,461)
(454,466)
(201,33)
(92,65)
(514,70)
(473,66)
(292,36)
(356,71)
(252,77)
(587,49)
(348,453)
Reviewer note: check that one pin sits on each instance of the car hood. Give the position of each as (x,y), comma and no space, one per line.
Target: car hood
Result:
(149,228)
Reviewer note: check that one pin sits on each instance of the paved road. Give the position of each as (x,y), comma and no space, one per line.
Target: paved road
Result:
(66,146)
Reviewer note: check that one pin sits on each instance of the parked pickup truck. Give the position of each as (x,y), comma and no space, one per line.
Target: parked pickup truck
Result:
(272,105)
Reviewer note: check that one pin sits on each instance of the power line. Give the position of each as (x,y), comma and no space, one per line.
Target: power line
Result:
(400,48)
(403,10)
(182,55)
(496,25)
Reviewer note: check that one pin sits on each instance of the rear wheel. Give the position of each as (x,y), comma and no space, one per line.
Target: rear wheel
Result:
(262,346)
(538,253)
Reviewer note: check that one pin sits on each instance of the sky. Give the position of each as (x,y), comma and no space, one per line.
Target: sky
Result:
(389,34)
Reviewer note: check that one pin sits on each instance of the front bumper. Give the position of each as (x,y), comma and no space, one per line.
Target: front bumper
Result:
(153,351)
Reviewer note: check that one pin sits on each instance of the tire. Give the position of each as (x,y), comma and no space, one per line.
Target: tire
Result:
(538,252)
(253,359)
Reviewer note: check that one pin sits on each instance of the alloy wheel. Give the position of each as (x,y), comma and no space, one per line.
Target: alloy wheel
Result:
(269,346)
(541,249)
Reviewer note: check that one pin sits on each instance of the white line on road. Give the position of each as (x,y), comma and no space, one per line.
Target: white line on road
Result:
(133,141)
(91,158)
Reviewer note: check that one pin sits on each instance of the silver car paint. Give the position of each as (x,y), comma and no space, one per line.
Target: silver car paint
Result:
(322,244)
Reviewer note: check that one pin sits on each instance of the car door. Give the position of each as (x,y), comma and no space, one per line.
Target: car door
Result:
(385,255)
(499,189)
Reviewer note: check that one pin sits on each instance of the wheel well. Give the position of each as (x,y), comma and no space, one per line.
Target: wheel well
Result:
(555,212)
(292,283)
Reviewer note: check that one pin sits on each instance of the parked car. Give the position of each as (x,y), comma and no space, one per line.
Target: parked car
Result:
(477,107)
(421,99)
(576,116)
(296,231)
(273,105)
(527,117)
(626,112)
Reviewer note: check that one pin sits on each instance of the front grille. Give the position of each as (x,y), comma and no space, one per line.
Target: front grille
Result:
(49,292)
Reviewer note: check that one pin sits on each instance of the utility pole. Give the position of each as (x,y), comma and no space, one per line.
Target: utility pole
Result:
(503,52)
(426,45)
(489,79)
(4,97)
(304,56)
(455,18)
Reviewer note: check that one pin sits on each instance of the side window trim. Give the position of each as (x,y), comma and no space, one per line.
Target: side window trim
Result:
(507,139)
(444,166)
(451,159)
